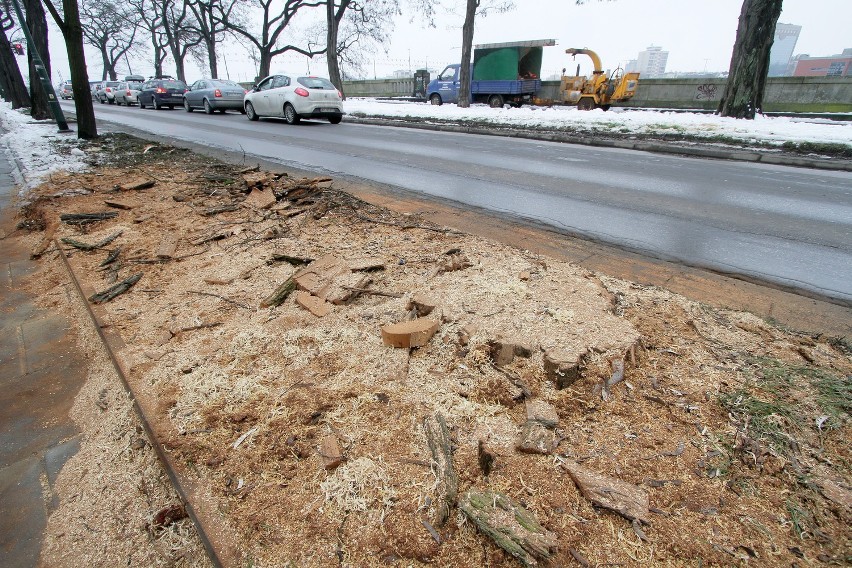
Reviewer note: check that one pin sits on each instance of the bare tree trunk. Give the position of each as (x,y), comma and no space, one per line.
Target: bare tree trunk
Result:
(467,47)
(332,18)
(743,96)
(265,62)
(212,60)
(72,31)
(14,88)
(37,23)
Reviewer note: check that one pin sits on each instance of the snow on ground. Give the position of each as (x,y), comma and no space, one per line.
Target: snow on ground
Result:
(37,146)
(771,130)
(41,150)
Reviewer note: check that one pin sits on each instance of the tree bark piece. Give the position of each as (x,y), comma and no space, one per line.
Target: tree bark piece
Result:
(87,246)
(280,294)
(139,185)
(86,218)
(438,438)
(330,452)
(513,528)
(624,498)
(168,247)
(115,290)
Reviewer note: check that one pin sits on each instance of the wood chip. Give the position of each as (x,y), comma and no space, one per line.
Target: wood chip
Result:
(624,498)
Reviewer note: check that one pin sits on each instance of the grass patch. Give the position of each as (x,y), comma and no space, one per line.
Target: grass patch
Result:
(778,400)
(826,148)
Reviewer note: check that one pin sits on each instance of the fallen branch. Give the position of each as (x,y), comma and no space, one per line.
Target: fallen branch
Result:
(112,256)
(372,292)
(438,437)
(116,290)
(409,225)
(223,298)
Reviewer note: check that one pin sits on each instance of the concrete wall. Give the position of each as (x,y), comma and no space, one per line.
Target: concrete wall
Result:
(783,94)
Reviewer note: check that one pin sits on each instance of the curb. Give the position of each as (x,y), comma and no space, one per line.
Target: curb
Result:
(655,147)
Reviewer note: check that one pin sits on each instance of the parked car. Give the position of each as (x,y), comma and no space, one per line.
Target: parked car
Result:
(295,98)
(65,91)
(159,92)
(93,89)
(106,91)
(213,95)
(127,93)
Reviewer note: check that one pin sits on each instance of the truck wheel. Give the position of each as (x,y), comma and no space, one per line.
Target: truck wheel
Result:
(495,101)
(435,99)
(586,103)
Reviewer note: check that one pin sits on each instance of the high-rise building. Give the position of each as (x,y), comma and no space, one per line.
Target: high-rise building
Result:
(652,62)
(786,36)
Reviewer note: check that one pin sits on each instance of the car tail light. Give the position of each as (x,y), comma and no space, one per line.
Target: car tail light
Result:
(108,90)
(339,94)
(161,90)
(302,92)
(217,93)
(127,93)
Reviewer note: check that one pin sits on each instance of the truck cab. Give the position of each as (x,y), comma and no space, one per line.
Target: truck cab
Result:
(445,87)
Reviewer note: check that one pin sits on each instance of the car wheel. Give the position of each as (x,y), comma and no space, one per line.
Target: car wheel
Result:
(101,100)
(250,112)
(207,108)
(111,101)
(186,106)
(155,104)
(290,114)
(435,99)
(242,111)
(495,101)
(335,119)
(171,107)
(141,104)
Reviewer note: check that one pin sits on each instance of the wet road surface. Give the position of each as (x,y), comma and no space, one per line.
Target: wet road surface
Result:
(788,226)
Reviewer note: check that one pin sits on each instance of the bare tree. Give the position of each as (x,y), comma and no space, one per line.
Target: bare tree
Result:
(111,29)
(68,23)
(37,24)
(150,20)
(210,29)
(175,19)
(743,96)
(352,25)
(11,79)
(474,8)
(274,20)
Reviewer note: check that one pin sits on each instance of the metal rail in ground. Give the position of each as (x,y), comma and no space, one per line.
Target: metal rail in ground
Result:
(216,538)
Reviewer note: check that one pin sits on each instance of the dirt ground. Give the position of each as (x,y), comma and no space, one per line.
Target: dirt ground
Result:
(738,430)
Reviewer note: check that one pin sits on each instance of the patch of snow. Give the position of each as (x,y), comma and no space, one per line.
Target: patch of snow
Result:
(770,130)
(38,147)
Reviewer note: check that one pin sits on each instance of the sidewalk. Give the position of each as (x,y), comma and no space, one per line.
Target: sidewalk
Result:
(40,374)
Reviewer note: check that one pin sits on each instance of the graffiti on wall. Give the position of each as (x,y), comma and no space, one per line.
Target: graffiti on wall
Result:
(706,92)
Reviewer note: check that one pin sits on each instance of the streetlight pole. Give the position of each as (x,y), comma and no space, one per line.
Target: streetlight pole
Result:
(42,73)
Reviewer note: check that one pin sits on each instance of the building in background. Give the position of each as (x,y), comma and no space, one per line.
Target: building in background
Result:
(786,37)
(829,66)
(652,62)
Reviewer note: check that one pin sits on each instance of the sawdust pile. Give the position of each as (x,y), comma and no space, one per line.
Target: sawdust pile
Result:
(738,430)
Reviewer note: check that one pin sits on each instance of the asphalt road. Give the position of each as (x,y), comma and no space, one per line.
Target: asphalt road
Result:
(787,226)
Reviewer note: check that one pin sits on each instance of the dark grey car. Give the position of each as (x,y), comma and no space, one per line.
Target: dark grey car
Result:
(161,92)
(213,95)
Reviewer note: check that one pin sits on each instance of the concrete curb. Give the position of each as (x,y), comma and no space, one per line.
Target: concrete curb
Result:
(655,147)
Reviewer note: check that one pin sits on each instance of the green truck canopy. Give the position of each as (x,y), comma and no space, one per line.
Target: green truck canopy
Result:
(509,61)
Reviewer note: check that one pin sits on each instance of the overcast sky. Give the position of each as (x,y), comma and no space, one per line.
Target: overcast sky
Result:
(698,34)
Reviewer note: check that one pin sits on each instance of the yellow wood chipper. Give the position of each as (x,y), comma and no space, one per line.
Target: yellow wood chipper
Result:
(599,91)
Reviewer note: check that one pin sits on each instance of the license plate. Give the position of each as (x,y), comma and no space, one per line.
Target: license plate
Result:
(329,110)
(178,95)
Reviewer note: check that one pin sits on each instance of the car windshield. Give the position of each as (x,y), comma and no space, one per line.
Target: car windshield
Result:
(173,85)
(223,83)
(316,83)
(134,85)
(112,84)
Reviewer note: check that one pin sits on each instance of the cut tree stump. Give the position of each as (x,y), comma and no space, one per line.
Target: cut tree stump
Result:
(438,438)
(564,366)
(610,493)
(513,528)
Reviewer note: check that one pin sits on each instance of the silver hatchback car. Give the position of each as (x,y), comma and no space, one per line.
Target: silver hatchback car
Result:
(127,93)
